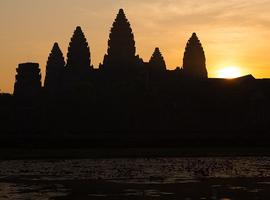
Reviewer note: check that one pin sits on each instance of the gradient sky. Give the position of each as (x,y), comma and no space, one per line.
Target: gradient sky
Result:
(233,32)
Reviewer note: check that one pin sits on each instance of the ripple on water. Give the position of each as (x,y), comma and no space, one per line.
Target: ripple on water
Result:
(156,170)
(44,178)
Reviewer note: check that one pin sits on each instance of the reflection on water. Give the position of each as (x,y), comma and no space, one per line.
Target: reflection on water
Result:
(160,178)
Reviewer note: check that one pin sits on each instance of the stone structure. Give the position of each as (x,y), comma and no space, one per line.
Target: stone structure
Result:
(194,66)
(54,70)
(121,66)
(78,57)
(121,46)
(157,62)
(28,80)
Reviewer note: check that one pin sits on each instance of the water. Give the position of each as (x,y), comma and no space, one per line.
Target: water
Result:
(228,178)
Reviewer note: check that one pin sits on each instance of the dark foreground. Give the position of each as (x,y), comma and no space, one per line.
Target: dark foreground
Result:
(109,153)
(127,145)
(221,178)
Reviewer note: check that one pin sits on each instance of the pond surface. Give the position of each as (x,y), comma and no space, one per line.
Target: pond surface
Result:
(221,178)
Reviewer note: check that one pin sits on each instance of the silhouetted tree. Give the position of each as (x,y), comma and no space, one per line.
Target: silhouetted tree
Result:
(121,45)
(78,57)
(157,62)
(54,70)
(194,59)
(28,80)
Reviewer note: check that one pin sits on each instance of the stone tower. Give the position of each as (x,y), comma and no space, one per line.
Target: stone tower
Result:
(157,62)
(78,57)
(54,70)
(121,45)
(28,80)
(194,66)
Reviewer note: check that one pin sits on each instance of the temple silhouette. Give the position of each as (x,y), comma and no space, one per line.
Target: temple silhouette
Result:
(128,96)
(120,62)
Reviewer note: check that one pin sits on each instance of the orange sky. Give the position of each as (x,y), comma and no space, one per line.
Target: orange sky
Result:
(233,32)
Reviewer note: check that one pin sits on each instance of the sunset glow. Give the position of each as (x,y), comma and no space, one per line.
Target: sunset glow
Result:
(234,31)
(229,72)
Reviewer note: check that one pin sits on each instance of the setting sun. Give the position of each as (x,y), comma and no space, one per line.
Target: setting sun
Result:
(229,72)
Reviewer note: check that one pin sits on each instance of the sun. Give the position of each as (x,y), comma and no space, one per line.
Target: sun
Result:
(229,72)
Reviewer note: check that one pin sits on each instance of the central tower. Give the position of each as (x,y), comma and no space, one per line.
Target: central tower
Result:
(121,45)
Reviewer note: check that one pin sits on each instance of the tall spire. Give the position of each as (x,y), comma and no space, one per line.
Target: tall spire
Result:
(78,57)
(157,61)
(194,59)
(121,45)
(54,69)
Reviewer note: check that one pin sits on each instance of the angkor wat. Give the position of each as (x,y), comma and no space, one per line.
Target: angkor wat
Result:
(127,99)
(120,61)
